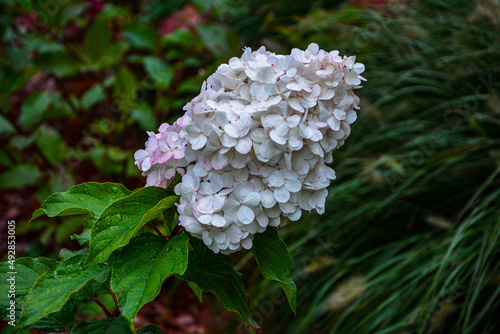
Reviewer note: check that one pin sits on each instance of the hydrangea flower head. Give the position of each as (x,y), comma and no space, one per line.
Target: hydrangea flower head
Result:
(254,145)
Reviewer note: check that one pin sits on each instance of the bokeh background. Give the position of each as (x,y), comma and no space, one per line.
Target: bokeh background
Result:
(409,242)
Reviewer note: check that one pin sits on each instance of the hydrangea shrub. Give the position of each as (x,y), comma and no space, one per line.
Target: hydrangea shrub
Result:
(253,146)
(249,154)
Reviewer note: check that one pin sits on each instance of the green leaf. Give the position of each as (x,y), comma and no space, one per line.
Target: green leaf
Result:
(97,40)
(50,142)
(197,291)
(118,223)
(82,238)
(143,116)
(184,37)
(5,127)
(66,254)
(142,267)
(107,325)
(28,271)
(34,107)
(149,329)
(19,176)
(275,262)
(125,87)
(140,35)
(215,273)
(58,322)
(92,96)
(53,289)
(86,198)
(221,41)
(61,63)
(161,73)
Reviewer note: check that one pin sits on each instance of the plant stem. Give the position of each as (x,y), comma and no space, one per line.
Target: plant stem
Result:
(156,229)
(116,312)
(103,307)
(175,231)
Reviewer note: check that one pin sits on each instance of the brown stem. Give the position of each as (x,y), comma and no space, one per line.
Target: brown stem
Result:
(103,307)
(176,231)
(156,229)
(116,312)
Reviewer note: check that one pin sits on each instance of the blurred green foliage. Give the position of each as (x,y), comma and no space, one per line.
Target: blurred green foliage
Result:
(409,242)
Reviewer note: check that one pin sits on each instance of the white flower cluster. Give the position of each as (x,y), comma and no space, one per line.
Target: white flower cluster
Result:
(253,145)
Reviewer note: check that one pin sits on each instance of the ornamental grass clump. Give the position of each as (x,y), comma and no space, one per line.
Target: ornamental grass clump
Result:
(253,146)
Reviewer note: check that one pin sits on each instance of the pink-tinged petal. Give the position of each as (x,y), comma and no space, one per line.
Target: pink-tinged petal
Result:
(216,183)
(277,138)
(267,198)
(162,144)
(316,148)
(220,238)
(219,161)
(330,173)
(263,219)
(218,202)
(205,188)
(146,164)
(273,212)
(247,243)
(152,144)
(291,72)
(351,117)
(267,74)
(227,141)
(140,155)
(339,114)
(271,120)
(277,179)
(275,222)
(205,219)
(218,221)
(207,240)
(327,94)
(316,135)
(179,153)
(163,128)
(231,130)
(287,208)
(282,129)
(349,62)
(169,173)
(296,215)
(198,142)
(293,185)
(293,121)
(295,104)
(245,215)
(294,86)
(313,48)
(282,195)
(252,199)
(163,157)
(288,161)
(199,170)
(234,234)
(206,205)
(244,145)
(153,178)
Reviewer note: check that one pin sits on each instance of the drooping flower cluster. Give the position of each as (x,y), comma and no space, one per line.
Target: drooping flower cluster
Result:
(253,145)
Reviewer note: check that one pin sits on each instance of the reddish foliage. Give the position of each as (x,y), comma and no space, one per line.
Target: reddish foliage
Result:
(184,18)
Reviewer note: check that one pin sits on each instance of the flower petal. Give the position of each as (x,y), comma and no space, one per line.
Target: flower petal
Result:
(245,215)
